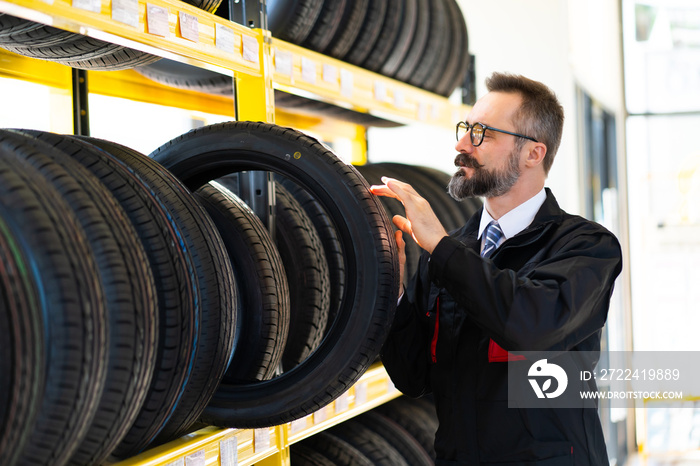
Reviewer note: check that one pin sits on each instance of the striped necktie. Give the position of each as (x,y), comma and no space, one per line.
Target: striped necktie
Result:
(492,235)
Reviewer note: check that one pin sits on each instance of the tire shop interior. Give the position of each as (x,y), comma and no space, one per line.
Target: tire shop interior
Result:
(185,183)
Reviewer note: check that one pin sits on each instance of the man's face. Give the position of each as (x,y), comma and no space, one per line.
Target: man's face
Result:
(492,168)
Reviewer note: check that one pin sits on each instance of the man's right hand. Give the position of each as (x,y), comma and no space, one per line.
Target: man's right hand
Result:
(420,221)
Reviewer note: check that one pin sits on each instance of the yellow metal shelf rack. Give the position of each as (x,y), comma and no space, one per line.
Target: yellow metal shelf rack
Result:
(259,64)
(268,446)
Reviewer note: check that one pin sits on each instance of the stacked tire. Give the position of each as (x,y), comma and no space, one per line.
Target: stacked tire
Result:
(421,42)
(398,433)
(139,302)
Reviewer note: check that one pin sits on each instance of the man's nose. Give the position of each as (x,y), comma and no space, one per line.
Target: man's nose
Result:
(464,144)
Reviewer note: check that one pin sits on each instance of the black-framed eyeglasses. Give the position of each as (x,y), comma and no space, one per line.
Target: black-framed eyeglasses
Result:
(478,130)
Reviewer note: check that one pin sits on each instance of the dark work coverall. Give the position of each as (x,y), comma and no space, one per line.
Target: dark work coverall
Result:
(547,288)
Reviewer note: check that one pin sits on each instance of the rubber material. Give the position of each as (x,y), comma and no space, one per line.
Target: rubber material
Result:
(399,438)
(369,33)
(326,26)
(215,295)
(37,40)
(293,20)
(403,40)
(388,35)
(50,234)
(337,450)
(329,239)
(369,443)
(264,308)
(307,273)
(415,419)
(354,339)
(130,293)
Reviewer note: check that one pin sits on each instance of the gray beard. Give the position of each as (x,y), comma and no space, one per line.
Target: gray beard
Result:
(486,183)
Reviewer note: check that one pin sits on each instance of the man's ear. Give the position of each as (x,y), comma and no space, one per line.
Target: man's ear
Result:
(536,154)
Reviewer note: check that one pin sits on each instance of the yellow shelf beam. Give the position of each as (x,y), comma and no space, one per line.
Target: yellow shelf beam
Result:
(258,61)
(269,446)
(219,44)
(311,74)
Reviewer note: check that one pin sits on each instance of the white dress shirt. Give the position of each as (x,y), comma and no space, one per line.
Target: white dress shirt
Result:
(514,221)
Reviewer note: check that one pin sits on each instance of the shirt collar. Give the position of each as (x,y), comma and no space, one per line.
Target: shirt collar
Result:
(517,219)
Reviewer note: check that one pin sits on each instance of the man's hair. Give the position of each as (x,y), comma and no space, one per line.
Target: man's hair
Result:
(540,116)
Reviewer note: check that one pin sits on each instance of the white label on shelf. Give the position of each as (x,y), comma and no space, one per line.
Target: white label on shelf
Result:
(346,82)
(320,415)
(330,73)
(399,99)
(225,38)
(157,18)
(342,403)
(189,26)
(228,450)
(434,111)
(126,11)
(196,459)
(89,5)
(390,387)
(422,111)
(283,62)
(308,70)
(250,49)
(178,462)
(360,393)
(261,439)
(380,91)
(298,425)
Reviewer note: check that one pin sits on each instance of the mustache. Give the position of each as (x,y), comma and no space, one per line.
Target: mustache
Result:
(466,160)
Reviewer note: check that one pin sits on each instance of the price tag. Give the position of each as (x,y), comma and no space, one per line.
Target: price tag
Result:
(342,403)
(360,393)
(283,62)
(178,462)
(189,27)
(422,111)
(346,83)
(225,38)
(261,439)
(195,459)
(330,74)
(89,5)
(228,450)
(298,425)
(399,99)
(126,11)
(320,415)
(308,70)
(250,49)
(380,91)
(157,19)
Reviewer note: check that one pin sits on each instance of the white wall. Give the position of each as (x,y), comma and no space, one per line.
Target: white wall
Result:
(559,42)
(530,38)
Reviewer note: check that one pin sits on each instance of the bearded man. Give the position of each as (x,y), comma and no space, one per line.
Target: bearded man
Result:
(521,275)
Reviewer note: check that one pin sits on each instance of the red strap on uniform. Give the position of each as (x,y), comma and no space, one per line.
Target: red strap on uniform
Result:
(498,354)
(433,342)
